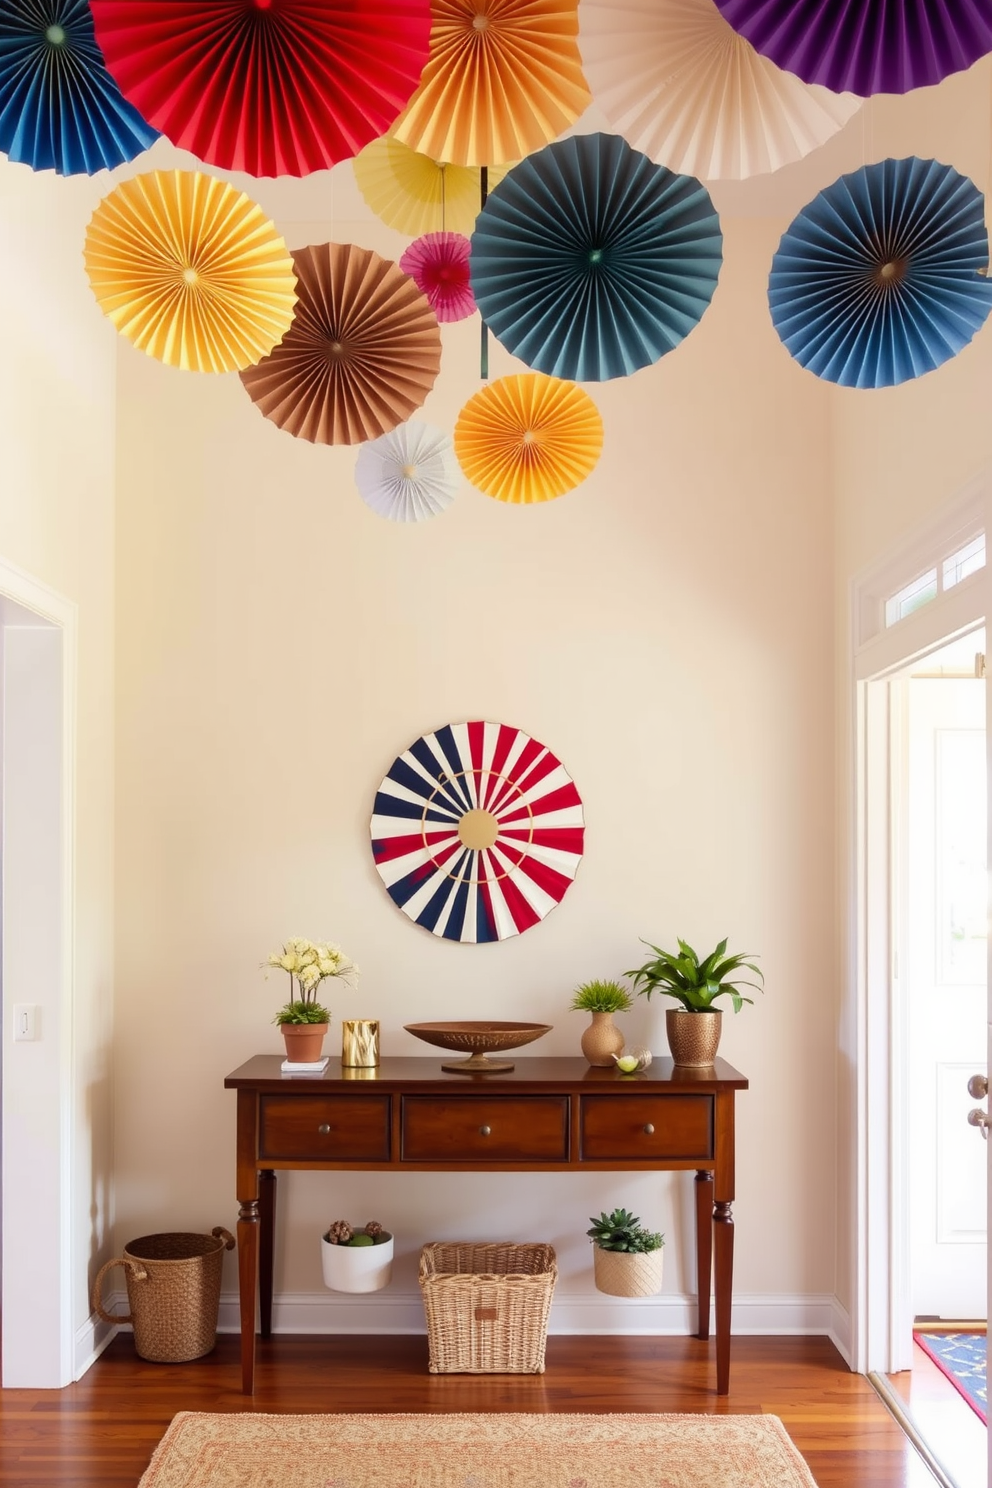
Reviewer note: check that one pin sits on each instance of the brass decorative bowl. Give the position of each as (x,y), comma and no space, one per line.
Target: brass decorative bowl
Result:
(480,1038)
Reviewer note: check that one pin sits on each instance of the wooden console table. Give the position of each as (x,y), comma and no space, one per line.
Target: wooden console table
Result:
(547,1115)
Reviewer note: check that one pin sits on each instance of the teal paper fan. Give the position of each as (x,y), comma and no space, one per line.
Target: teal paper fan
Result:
(590,261)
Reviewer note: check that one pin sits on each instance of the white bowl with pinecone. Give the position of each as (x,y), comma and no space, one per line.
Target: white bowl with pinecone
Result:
(356,1258)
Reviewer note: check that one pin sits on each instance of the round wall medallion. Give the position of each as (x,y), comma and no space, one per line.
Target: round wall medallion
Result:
(477,831)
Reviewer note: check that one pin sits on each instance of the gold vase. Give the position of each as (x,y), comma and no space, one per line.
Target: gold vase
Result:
(693,1037)
(360,1043)
(602,1039)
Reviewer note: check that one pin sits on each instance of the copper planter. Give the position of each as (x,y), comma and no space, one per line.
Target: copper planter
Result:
(693,1037)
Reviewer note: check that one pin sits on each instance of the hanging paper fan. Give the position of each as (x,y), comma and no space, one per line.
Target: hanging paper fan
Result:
(271,87)
(409,474)
(866,46)
(59,107)
(676,80)
(416,194)
(503,78)
(528,438)
(190,270)
(589,261)
(438,264)
(477,831)
(879,279)
(362,353)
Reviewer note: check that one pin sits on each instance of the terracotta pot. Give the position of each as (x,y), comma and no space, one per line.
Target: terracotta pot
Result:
(304,1041)
(602,1039)
(621,1274)
(693,1037)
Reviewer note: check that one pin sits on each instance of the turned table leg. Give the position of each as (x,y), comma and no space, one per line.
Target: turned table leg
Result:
(248,1285)
(704,1248)
(266,1247)
(723,1237)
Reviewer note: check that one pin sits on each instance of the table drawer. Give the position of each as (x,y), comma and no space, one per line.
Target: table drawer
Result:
(480,1129)
(331,1128)
(645,1127)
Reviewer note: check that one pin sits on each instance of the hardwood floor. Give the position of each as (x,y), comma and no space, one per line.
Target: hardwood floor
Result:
(101,1431)
(951,1429)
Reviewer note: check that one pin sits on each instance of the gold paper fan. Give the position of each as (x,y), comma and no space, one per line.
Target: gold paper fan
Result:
(416,194)
(190,270)
(528,438)
(503,78)
(362,353)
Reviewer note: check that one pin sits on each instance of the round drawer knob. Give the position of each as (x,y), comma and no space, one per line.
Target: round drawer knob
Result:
(324,1129)
(485,1131)
(649,1129)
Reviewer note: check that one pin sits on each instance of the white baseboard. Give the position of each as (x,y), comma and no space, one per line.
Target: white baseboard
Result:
(91,1339)
(839,1332)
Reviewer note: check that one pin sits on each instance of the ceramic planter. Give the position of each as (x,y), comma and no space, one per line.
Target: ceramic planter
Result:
(693,1037)
(304,1041)
(622,1274)
(359,1268)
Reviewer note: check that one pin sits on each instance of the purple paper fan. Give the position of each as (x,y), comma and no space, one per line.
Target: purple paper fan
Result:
(866,46)
(438,265)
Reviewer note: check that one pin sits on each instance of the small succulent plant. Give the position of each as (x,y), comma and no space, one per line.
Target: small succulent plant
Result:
(623,1231)
(600,996)
(341,1233)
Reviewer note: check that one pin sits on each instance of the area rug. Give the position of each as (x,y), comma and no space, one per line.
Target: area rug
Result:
(476,1451)
(961,1356)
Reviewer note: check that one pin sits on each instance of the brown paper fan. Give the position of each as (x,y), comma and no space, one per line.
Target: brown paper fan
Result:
(362,353)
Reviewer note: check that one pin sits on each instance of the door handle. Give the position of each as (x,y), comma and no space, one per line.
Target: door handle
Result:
(978,1118)
(978,1087)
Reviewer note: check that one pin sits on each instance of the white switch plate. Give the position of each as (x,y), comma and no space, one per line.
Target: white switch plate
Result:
(26,1018)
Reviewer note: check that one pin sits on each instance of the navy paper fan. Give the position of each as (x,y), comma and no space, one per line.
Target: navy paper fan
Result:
(880,278)
(59,107)
(590,261)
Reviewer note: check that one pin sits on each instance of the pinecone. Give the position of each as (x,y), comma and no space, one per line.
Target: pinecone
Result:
(373,1228)
(340,1232)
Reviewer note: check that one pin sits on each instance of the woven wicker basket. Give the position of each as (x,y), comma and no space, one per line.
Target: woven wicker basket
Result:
(173,1291)
(487,1306)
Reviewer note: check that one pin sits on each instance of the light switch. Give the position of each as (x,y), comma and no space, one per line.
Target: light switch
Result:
(26,1019)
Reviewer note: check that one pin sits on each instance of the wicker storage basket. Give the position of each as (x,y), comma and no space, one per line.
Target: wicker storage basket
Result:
(487,1306)
(173,1291)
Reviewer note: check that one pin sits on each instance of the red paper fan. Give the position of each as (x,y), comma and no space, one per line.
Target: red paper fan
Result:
(438,265)
(271,87)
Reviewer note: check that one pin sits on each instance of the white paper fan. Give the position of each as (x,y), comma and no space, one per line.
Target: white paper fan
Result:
(678,82)
(408,474)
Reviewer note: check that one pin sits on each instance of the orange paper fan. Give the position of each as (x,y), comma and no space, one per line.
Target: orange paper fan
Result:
(362,353)
(503,78)
(190,270)
(528,438)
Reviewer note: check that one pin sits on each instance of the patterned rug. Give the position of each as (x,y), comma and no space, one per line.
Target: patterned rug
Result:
(961,1356)
(476,1451)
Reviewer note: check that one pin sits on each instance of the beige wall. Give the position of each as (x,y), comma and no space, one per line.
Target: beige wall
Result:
(666,628)
(57,372)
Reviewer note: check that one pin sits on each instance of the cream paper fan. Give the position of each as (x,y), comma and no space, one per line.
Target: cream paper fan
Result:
(678,82)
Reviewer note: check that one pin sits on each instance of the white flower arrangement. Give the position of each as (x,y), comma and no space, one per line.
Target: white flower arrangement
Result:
(308,963)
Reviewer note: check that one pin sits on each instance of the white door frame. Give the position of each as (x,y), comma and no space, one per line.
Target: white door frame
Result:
(872,1032)
(39,638)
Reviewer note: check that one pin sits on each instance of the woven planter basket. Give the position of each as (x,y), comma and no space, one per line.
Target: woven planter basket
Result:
(173,1291)
(487,1306)
(621,1273)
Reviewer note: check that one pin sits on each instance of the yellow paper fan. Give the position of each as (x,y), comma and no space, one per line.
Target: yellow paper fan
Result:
(191,271)
(503,78)
(528,438)
(416,194)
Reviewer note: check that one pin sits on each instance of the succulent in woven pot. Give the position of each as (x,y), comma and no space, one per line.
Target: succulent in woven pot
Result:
(356,1258)
(627,1257)
(694,1028)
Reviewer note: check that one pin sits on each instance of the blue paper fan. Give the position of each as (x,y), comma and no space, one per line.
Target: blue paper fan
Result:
(590,261)
(59,107)
(880,278)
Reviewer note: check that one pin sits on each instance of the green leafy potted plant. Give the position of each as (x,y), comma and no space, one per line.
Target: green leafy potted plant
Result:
(602,1039)
(303,1019)
(694,1028)
(356,1260)
(627,1257)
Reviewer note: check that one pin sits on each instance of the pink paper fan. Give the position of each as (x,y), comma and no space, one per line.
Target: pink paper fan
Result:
(438,265)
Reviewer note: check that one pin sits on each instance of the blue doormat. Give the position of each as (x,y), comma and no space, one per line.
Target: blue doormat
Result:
(961,1356)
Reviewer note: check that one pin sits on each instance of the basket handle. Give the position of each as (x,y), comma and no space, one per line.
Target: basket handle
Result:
(229,1240)
(137,1272)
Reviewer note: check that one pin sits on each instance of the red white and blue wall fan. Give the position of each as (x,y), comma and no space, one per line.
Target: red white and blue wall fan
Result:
(60,109)
(589,261)
(881,278)
(866,46)
(477,831)
(271,87)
